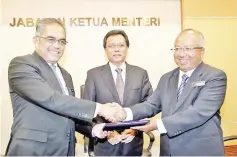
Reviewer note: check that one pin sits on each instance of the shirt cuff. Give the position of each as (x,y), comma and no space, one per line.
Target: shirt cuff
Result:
(129,114)
(92,132)
(97,109)
(161,127)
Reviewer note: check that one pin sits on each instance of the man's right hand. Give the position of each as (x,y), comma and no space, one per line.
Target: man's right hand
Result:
(112,112)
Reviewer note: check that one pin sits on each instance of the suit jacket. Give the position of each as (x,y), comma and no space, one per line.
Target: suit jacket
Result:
(43,117)
(192,122)
(100,87)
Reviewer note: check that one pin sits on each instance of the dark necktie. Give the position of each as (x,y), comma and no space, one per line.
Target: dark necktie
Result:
(181,87)
(120,84)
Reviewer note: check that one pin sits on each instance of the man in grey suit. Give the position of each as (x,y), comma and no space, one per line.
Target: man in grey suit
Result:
(42,94)
(120,82)
(190,98)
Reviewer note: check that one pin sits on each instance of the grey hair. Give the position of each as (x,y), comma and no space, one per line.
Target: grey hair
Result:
(46,21)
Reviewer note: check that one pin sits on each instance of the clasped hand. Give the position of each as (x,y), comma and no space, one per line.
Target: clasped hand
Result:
(125,137)
(112,112)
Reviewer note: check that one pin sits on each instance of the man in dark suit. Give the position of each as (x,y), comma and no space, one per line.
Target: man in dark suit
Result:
(190,98)
(42,94)
(120,82)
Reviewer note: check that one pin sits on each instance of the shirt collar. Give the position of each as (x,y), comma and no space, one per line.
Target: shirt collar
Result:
(113,67)
(55,64)
(188,73)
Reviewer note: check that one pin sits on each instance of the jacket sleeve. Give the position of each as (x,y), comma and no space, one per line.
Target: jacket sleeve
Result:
(25,80)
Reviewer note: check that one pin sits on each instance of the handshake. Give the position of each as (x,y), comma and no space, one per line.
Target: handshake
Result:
(112,112)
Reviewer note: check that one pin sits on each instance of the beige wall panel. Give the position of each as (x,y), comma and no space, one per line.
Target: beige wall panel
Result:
(206,8)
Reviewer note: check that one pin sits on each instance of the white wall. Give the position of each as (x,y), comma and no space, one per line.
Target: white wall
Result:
(150,45)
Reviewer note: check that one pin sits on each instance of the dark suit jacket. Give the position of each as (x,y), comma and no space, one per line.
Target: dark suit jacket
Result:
(100,87)
(192,122)
(43,124)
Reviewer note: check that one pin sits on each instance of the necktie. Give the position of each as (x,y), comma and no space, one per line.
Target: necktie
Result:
(120,84)
(54,68)
(183,83)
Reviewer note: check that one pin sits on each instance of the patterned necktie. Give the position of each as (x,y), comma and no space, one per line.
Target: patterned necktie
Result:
(120,84)
(183,83)
(54,68)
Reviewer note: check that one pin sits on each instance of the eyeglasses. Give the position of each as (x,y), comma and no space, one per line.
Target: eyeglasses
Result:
(52,40)
(186,50)
(113,46)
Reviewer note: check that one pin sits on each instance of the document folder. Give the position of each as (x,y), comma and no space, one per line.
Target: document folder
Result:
(124,125)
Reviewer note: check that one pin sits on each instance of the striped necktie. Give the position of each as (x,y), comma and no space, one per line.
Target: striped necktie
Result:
(181,87)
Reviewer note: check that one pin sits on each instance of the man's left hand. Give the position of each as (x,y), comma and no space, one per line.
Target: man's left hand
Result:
(98,131)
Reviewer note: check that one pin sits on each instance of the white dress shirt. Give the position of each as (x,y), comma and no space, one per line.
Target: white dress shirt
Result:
(160,125)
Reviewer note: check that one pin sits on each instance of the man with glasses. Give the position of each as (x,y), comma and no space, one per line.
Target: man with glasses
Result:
(190,98)
(117,81)
(42,94)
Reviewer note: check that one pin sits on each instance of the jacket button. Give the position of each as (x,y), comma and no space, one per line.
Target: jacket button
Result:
(68,134)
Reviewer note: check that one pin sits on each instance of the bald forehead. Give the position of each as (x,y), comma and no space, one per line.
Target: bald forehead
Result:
(189,38)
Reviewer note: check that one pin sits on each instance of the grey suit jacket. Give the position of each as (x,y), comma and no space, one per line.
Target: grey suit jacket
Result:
(43,117)
(192,122)
(100,87)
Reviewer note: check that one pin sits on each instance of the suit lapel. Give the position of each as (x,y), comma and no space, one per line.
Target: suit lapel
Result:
(189,86)
(128,82)
(109,81)
(66,79)
(173,86)
(47,72)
